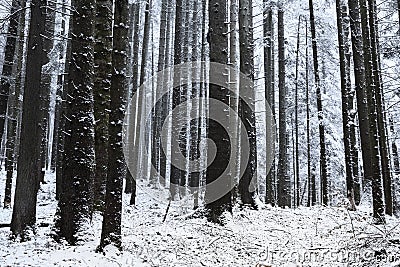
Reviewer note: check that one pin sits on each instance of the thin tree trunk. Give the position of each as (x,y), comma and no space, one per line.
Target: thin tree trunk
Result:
(322,143)
(296,121)
(14,111)
(9,52)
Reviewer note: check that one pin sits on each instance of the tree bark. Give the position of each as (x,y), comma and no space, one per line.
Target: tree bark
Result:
(75,205)
(111,230)
(284,192)
(321,126)
(248,182)
(101,92)
(28,176)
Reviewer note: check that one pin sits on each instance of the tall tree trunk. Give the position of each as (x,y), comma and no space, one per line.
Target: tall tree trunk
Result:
(269,95)
(194,181)
(345,87)
(130,186)
(284,196)
(322,143)
(28,176)
(296,121)
(101,93)
(47,73)
(176,174)
(247,183)
(14,111)
(9,52)
(310,177)
(75,205)
(350,106)
(218,43)
(111,230)
(369,50)
(360,87)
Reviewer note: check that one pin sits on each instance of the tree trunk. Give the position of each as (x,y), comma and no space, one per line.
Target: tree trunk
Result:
(248,182)
(218,43)
(111,230)
(375,174)
(284,196)
(322,143)
(14,111)
(345,87)
(296,121)
(310,177)
(75,205)
(269,95)
(395,153)
(9,52)
(101,92)
(28,176)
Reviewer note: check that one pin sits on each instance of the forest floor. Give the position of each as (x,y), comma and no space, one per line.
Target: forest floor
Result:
(318,236)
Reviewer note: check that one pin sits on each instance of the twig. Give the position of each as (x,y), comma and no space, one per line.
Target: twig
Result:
(351,221)
(166,212)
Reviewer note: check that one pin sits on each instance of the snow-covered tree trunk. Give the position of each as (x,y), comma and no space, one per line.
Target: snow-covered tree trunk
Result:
(380,108)
(345,87)
(111,230)
(101,93)
(74,207)
(9,51)
(375,174)
(218,44)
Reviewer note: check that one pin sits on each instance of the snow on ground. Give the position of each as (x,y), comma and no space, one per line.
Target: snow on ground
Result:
(318,236)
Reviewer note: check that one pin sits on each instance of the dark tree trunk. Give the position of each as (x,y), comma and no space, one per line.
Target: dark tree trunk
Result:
(130,186)
(176,174)
(14,111)
(9,52)
(310,177)
(395,153)
(218,42)
(345,87)
(322,143)
(247,183)
(111,231)
(360,89)
(284,192)
(350,106)
(75,205)
(28,176)
(380,109)
(269,95)
(63,106)
(296,122)
(101,93)
(375,174)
